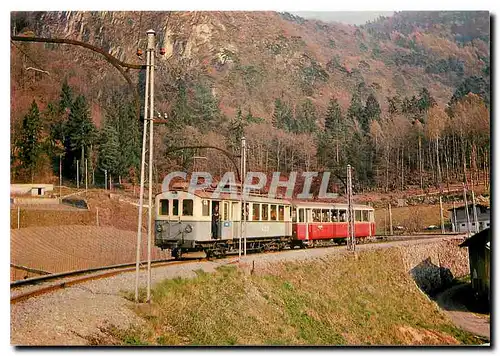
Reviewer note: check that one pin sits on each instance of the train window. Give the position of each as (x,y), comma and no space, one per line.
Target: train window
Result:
(281,213)
(236,213)
(187,207)
(274,214)
(175,207)
(205,207)
(342,215)
(164,207)
(255,212)
(265,212)
(301,215)
(335,215)
(357,215)
(365,215)
(294,215)
(326,215)
(316,214)
(225,213)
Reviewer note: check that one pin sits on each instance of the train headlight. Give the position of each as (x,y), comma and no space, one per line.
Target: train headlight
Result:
(159,228)
(188,229)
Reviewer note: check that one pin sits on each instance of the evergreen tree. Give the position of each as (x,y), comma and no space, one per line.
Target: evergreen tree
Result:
(205,106)
(80,129)
(305,120)
(355,110)
(130,140)
(282,115)
(29,143)
(182,114)
(474,84)
(333,118)
(425,100)
(66,97)
(109,149)
(236,131)
(371,112)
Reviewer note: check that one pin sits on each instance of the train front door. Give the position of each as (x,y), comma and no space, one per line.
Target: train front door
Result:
(216,220)
(226,230)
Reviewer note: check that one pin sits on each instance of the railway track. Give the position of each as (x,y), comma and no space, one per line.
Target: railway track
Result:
(36,286)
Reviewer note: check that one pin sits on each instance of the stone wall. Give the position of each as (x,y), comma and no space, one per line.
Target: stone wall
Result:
(434,265)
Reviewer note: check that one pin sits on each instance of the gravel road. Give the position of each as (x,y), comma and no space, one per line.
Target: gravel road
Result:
(459,314)
(69,316)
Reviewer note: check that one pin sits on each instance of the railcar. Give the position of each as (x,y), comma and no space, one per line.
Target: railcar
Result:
(187,222)
(323,223)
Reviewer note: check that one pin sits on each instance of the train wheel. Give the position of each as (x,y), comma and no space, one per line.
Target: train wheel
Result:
(177,253)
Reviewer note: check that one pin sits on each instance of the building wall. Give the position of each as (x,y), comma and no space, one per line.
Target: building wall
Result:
(479,269)
(460,225)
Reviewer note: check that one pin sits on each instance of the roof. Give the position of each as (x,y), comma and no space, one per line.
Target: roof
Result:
(470,205)
(481,238)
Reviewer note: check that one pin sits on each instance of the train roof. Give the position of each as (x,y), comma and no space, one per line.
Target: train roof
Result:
(325,205)
(263,198)
(228,196)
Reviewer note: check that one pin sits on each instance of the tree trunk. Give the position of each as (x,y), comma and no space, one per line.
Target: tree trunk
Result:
(438,165)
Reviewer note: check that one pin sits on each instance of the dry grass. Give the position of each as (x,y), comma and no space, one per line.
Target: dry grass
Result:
(411,218)
(65,248)
(367,299)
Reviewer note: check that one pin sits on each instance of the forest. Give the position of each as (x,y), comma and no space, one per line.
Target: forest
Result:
(416,143)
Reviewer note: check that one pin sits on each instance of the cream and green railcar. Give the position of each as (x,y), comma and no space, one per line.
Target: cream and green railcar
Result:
(187,222)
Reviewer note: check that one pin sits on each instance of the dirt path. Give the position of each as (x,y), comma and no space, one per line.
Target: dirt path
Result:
(459,314)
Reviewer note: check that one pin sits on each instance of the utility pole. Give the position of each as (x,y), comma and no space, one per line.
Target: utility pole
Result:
(77,174)
(86,176)
(105,179)
(148,103)
(351,239)
(466,210)
(151,47)
(391,232)
(454,218)
(241,199)
(244,173)
(60,177)
(441,213)
(476,222)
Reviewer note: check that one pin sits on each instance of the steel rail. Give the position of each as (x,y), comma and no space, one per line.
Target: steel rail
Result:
(109,271)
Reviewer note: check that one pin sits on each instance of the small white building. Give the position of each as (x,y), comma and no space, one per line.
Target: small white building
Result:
(35,189)
(458,218)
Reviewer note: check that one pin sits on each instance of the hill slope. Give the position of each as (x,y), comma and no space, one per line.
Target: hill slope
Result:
(249,58)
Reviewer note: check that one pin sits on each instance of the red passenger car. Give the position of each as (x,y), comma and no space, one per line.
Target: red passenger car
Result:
(321,222)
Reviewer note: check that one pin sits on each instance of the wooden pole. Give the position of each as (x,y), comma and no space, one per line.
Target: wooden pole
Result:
(18,217)
(86,175)
(97,216)
(77,174)
(476,222)
(466,210)
(441,213)
(385,222)
(390,220)
(60,176)
(105,179)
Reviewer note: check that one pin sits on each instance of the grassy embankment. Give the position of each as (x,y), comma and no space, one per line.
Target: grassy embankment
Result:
(368,300)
